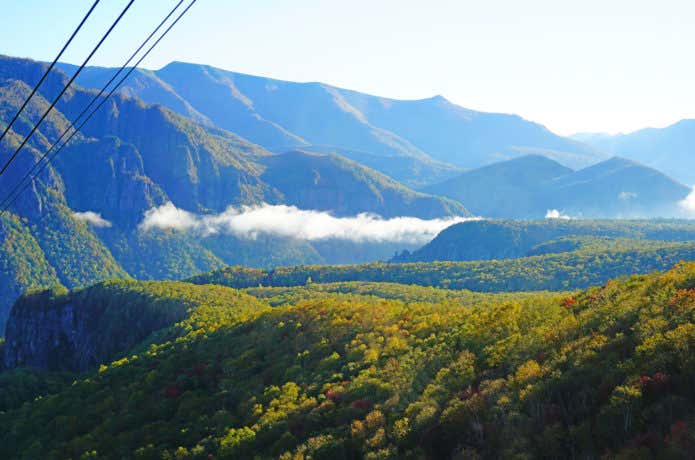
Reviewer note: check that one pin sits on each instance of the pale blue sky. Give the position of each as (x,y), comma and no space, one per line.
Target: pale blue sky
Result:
(589,65)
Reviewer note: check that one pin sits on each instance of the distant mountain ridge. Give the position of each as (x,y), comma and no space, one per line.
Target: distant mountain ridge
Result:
(433,135)
(618,188)
(505,189)
(670,149)
(529,186)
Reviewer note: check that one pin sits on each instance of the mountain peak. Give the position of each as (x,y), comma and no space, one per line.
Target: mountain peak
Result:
(174,64)
(532,158)
(616,160)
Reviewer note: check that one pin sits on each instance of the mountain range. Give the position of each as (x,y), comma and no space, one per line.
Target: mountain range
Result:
(196,141)
(433,136)
(227,266)
(431,144)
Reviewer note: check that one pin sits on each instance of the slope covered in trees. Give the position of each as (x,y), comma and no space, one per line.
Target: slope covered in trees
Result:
(140,155)
(56,250)
(22,265)
(579,268)
(607,372)
(80,329)
(348,291)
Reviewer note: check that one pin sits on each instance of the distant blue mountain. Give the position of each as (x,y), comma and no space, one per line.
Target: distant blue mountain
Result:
(529,186)
(670,149)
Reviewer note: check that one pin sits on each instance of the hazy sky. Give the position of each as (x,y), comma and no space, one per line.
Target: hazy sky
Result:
(583,65)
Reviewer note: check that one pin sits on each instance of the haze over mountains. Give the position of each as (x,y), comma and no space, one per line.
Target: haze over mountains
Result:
(417,142)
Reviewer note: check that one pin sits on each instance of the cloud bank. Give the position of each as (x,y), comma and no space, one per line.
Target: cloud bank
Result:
(91,218)
(290,221)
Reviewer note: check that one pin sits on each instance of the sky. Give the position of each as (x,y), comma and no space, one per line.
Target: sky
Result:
(573,66)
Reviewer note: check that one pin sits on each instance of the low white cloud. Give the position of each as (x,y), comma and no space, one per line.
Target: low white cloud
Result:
(169,216)
(555,214)
(688,203)
(290,221)
(91,218)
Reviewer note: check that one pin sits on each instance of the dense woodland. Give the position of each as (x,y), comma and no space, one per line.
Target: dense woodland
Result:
(357,290)
(585,266)
(603,372)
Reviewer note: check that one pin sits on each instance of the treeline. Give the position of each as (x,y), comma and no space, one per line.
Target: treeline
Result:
(562,271)
(607,373)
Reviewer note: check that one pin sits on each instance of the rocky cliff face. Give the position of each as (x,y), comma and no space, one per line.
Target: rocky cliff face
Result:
(52,339)
(60,331)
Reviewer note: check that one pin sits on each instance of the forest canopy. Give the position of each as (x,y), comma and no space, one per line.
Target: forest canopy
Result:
(603,372)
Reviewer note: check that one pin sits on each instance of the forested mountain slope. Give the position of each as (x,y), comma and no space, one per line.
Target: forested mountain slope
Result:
(603,373)
(349,291)
(141,155)
(22,264)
